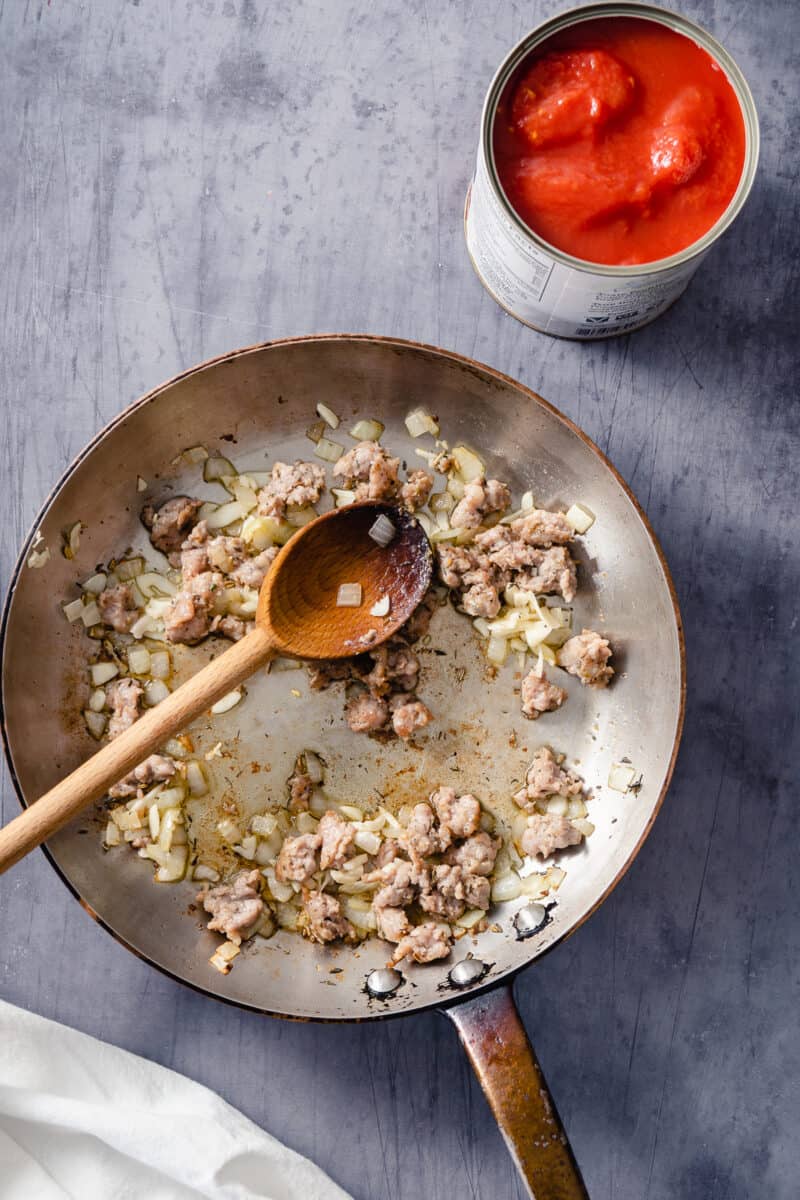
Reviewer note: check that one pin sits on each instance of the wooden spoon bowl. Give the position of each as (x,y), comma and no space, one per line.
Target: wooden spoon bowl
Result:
(298,615)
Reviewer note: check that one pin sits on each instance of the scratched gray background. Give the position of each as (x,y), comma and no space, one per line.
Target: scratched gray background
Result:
(179,179)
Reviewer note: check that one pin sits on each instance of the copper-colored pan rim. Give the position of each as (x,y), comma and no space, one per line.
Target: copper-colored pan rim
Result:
(403,343)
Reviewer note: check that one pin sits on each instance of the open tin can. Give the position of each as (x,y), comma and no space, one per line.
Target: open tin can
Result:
(555,292)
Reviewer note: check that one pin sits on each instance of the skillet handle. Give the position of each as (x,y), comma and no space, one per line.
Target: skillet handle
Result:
(494,1037)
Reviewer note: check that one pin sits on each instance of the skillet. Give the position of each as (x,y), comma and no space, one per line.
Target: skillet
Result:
(254,405)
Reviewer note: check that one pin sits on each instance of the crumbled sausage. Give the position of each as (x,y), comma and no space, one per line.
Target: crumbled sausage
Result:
(300,788)
(408,716)
(586,655)
(298,859)
(124,698)
(337,838)
(235,906)
(294,485)
(459,816)
(425,943)
(421,837)
(476,855)
(553,573)
(546,832)
(415,491)
(324,919)
(370,470)
(393,668)
(365,713)
(480,499)
(252,572)
(546,777)
(322,674)
(539,695)
(539,527)
(393,923)
(118,607)
(170,524)
(230,627)
(191,612)
(155,769)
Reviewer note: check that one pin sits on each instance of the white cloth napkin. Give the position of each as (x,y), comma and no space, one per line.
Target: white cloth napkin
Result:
(82,1119)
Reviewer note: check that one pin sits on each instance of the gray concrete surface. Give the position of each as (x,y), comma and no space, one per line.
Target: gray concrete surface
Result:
(179,179)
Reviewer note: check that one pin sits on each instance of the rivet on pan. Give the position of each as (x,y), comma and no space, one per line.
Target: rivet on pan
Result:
(383,982)
(467,972)
(529,919)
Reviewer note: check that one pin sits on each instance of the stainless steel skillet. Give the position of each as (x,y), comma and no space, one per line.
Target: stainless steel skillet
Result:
(255,405)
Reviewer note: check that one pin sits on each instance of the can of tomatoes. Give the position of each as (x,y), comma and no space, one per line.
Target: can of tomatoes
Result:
(618,142)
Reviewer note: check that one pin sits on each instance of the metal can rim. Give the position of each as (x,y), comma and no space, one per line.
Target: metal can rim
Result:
(678,23)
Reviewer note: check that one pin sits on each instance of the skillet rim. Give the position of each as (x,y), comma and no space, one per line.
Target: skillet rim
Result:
(490,982)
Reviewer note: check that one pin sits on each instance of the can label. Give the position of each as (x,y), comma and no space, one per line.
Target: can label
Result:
(552,296)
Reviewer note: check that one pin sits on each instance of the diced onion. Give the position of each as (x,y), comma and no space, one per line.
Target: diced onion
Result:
(139,660)
(506,625)
(160,664)
(220,962)
(72,539)
(351,812)
(328,451)
(103,672)
(585,827)
(264,824)
(621,776)
(506,887)
(90,614)
(419,421)
(298,517)
(216,468)
(328,415)
(367,431)
(426,523)
(342,497)
(95,723)
(95,584)
(281,891)
(349,595)
(155,586)
(497,650)
(306,823)
(442,502)
(192,455)
(97,700)
(73,610)
(196,778)
(580,517)
(381,607)
(469,466)
(112,834)
(576,808)
(262,532)
(314,766)
(247,848)
(154,820)
(225,515)
(471,918)
(141,484)
(558,805)
(155,690)
(173,865)
(229,831)
(227,702)
(369,842)
(129,568)
(203,872)
(144,624)
(382,530)
(455,487)
(37,558)
(285,664)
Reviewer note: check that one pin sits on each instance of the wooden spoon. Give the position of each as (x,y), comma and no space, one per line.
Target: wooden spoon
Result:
(297,615)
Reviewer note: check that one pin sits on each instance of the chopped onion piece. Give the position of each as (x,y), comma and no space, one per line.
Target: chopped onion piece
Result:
(306,823)
(441,535)
(621,776)
(558,805)
(141,484)
(381,607)
(154,821)
(139,660)
(95,723)
(548,654)
(470,918)
(315,431)
(585,827)
(72,539)
(112,835)
(285,664)
(527,501)
(328,451)
(97,700)
(469,466)
(506,887)
(226,514)
(382,531)
(482,627)
(37,558)
(160,664)
(145,624)
(73,610)
(350,812)
(155,586)
(497,650)
(342,497)
(196,778)
(426,523)
(103,672)
(367,431)
(129,568)
(264,824)
(247,848)
(95,584)
(349,595)
(203,872)
(281,891)
(419,421)
(192,455)
(328,415)
(298,517)
(222,962)
(370,842)
(314,766)
(227,702)
(155,690)
(244,494)
(229,831)
(442,502)
(580,517)
(507,625)
(217,468)
(455,487)
(90,614)
(262,532)
(576,808)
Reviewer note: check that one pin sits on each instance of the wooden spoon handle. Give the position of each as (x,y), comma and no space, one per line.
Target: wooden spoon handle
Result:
(94,777)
